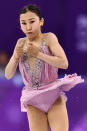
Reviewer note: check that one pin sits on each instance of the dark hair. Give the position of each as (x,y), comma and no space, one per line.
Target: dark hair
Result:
(31,7)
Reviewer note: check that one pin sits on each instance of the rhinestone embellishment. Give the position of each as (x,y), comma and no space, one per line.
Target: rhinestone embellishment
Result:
(34,73)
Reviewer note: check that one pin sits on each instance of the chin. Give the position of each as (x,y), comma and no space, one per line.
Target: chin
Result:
(31,37)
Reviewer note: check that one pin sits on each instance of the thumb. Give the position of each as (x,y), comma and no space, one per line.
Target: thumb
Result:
(21,43)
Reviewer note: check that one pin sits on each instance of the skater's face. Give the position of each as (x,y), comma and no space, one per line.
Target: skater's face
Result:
(30,22)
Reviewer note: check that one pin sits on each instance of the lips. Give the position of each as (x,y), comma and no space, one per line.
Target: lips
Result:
(29,32)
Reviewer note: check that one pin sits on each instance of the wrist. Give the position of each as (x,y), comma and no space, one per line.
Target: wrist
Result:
(39,55)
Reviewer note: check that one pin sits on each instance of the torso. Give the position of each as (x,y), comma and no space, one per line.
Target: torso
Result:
(32,60)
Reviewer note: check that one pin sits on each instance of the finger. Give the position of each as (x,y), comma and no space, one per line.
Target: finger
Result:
(19,51)
(19,54)
(30,43)
(20,46)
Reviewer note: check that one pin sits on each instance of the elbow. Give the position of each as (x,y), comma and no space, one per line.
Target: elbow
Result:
(7,76)
(66,64)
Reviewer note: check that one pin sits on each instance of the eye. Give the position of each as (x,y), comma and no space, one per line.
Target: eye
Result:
(31,21)
(24,23)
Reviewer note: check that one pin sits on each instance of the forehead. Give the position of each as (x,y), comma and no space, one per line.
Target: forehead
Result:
(28,15)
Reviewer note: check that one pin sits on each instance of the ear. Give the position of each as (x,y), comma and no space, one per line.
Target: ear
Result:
(41,21)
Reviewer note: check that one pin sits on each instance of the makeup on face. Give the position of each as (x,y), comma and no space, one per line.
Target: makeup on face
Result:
(30,24)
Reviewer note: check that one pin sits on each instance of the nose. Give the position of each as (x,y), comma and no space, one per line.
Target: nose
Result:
(28,27)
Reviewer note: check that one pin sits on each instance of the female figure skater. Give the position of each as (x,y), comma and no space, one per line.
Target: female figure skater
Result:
(39,56)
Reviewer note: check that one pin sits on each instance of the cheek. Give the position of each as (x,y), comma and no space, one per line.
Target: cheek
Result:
(36,26)
(23,28)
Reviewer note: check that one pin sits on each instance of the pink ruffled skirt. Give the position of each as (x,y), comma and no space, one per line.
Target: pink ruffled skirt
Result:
(46,95)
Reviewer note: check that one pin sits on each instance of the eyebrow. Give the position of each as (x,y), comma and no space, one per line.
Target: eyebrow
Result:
(28,19)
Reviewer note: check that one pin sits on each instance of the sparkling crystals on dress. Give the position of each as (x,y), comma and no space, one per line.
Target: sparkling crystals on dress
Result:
(34,73)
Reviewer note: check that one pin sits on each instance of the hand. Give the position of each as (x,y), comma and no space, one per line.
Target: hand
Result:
(33,50)
(18,51)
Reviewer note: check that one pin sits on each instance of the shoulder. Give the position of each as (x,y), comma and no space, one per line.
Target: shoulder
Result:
(51,35)
(51,38)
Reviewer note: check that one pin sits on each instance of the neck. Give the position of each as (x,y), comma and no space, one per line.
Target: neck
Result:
(36,38)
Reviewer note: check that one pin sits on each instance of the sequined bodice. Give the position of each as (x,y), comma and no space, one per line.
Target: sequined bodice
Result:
(33,76)
(33,72)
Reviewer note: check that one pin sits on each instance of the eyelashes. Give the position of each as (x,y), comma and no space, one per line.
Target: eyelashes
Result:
(24,23)
(30,22)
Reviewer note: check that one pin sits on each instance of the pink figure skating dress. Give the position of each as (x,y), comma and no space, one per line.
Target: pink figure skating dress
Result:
(42,86)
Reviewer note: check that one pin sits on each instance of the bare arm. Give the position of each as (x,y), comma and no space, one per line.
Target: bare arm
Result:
(53,60)
(13,62)
(59,58)
(11,67)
